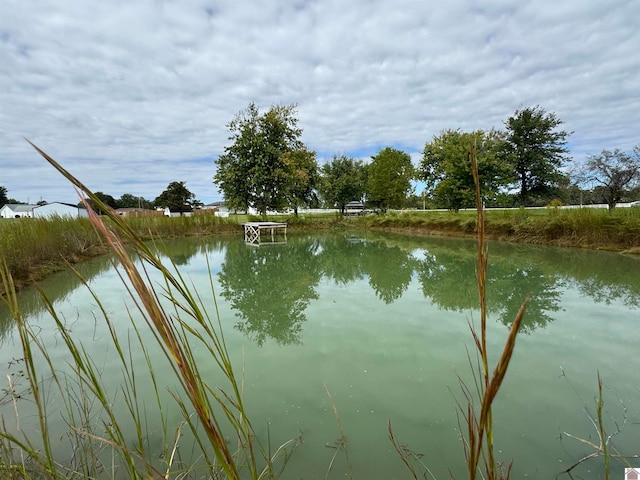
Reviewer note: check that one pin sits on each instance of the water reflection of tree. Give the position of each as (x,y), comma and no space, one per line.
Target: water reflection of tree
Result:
(390,269)
(349,258)
(447,277)
(342,258)
(270,287)
(509,284)
(604,276)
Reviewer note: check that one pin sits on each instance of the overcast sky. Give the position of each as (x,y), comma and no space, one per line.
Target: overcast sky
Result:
(131,95)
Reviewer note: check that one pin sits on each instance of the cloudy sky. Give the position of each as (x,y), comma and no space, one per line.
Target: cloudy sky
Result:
(131,95)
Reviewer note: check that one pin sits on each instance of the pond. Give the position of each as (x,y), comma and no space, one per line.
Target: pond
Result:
(381,321)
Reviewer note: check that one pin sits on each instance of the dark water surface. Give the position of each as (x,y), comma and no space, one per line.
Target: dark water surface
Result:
(382,322)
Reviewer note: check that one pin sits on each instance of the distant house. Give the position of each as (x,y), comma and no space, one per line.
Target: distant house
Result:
(17,210)
(59,209)
(219,208)
(212,206)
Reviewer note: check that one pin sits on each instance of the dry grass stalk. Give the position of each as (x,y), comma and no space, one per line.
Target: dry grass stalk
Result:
(401,451)
(604,448)
(341,443)
(163,324)
(478,446)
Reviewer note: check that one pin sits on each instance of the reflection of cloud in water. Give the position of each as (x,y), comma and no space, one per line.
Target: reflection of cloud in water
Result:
(57,287)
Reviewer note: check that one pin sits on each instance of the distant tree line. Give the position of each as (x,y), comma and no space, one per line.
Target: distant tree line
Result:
(4,199)
(267,167)
(176,196)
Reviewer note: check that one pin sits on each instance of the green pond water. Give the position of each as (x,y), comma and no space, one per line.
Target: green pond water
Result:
(382,321)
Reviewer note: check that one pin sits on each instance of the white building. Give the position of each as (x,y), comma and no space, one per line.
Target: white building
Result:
(59,209)
(220,208)
(17,210)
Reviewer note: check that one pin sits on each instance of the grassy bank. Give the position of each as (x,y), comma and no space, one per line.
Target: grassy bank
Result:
(33,248)
(584,228)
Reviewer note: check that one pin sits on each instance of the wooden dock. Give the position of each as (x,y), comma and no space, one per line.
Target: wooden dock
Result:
(253,232)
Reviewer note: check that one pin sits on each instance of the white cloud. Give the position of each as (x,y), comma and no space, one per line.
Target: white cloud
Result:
(130,96)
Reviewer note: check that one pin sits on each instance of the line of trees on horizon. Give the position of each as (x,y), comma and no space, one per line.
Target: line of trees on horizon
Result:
(267,167)
(177,197)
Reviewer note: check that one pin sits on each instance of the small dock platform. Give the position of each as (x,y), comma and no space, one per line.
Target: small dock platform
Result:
(253,233)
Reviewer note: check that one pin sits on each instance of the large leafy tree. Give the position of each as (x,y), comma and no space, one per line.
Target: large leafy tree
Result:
(615,171)
(256,169)
(537,150)
(343,180)
(446,167)
(177,197)
(389,178)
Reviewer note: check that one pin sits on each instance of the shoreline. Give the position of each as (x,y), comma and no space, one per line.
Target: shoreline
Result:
(33,249)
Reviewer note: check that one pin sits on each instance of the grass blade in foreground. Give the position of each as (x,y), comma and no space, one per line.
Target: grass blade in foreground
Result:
(177,328)
(479,441)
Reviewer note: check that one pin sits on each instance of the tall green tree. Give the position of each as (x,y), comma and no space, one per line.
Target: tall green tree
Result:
(177,197)
(3,196)
(105,198)
(537,150)
(304,178)
(343,180)
(615,171)
(446,167)
(389,178)
(128,200)
(254,171)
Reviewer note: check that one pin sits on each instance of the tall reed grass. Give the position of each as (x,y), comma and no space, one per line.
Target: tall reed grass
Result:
(475,412)
(34,247)
(479,441)
(224,441)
